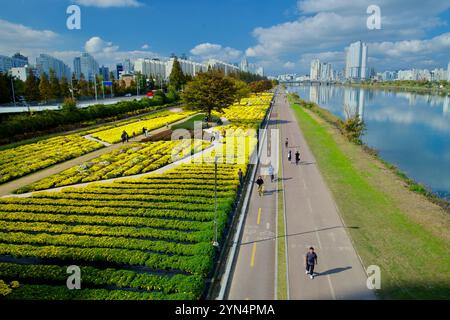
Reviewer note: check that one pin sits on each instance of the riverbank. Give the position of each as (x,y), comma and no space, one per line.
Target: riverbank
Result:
(399,230)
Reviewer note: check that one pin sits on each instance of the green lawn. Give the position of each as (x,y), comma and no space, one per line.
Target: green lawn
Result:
(189,124)
(415,263)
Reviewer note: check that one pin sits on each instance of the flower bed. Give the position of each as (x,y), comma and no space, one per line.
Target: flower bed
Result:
(131,159)
(22,160)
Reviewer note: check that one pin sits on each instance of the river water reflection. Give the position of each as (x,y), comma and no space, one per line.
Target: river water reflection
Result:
(409,130)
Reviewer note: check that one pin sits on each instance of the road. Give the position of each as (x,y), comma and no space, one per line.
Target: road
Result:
(81,104)
(312,219)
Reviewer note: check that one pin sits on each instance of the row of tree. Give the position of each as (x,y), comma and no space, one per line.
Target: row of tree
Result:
(49,88)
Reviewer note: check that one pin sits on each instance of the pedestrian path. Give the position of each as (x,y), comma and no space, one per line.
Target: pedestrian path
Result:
(313,219)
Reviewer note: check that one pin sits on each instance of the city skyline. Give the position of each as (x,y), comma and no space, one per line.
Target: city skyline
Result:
(281,37)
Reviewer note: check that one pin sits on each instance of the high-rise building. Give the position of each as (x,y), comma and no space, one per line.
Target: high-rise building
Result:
(89,67)
(314,74)
(260,71)
(77,67)
(227,68)
(16,61)
(5,64)
(190,68)
(151,68)
(356,61)
(45,63)
(244,65)
(104,73)
(326,72)
(19,60)
(128,67)
(119,70)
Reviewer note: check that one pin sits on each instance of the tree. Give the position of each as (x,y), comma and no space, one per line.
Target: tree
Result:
(177,78)
(55,90)
(5,83)
(209,91)
(32,87)
(83,89)
(242,89)
(261,86)
(44,88)
(64,88)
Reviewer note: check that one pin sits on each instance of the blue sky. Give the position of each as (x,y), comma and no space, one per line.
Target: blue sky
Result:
(281,35)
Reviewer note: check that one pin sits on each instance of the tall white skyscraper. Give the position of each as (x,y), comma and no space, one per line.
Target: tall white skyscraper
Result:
(244,65)
(315,70)
(356,61)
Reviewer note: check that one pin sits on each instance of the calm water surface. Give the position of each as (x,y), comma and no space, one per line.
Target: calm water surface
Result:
(409,130)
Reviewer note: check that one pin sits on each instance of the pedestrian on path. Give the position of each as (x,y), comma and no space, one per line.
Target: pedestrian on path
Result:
(286,143)
(241,177)
(310,262)
(124,136)
(297,157)
(271,173)
(289,155)
(260,183)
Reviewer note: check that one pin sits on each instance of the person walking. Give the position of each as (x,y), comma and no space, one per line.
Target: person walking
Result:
(310,262)
(271,173)
(297,157)
(286,143)
(289,155)
(241,177)
(124,136)
(260,183)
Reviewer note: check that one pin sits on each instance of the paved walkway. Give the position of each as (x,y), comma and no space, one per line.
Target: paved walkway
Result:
(312,219)
(9,187)
(254,273)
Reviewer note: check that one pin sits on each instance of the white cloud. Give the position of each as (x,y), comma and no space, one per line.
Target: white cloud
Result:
(17,37)
(289,65)
(109,3)
(107,53)
(216,51)
(98,45)
(145,47)
(330,25)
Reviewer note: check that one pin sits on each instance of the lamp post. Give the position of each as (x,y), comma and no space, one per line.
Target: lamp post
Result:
(215,243)
(13,93)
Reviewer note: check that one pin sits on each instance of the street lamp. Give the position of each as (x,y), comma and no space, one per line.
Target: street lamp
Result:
(215,243)
(13,93)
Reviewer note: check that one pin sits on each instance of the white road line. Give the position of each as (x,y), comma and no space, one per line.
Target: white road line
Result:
(333,296)
(304,185)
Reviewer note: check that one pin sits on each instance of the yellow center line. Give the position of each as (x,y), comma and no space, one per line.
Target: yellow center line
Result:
(252,261)
(259,216)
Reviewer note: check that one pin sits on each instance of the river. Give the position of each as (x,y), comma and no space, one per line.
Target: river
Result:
(409,130)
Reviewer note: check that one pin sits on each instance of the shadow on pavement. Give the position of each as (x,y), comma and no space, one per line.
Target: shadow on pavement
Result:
(332,271)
